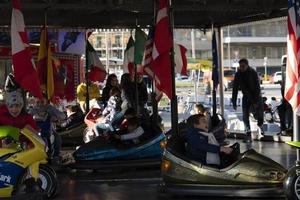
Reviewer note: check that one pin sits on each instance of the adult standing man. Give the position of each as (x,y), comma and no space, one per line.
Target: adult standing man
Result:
(246,79)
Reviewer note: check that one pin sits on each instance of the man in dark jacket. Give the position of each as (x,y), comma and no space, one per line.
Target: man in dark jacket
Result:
(202,146)
(247,80)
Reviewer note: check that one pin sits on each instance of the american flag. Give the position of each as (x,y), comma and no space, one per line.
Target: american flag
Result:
(147,60)
(292,85)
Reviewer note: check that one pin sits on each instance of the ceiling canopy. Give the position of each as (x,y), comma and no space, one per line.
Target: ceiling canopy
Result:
(127,13)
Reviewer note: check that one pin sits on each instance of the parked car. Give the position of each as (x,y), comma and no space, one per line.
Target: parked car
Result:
(277,77)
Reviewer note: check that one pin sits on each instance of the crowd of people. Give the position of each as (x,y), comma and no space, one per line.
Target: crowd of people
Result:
(117,101)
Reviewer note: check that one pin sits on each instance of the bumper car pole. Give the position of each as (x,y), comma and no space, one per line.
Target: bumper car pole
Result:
(174,105)
(296,135)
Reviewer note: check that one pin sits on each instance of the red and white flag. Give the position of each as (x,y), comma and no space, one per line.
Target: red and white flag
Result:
(23,64)
(292,84)
(163,42)
(147,60)
(180,59)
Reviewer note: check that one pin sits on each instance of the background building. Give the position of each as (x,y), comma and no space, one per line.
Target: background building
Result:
(262,43)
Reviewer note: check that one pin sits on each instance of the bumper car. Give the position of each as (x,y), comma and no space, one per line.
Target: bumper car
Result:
(101,153)
(24,169)
(249,175)
(72,136)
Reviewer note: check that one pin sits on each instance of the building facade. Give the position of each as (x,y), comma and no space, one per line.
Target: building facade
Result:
(263,43)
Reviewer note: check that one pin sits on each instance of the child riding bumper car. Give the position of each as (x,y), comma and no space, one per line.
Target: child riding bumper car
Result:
(250,174)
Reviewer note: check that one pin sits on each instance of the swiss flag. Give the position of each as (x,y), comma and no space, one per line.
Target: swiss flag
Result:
(163,42)
(23,64)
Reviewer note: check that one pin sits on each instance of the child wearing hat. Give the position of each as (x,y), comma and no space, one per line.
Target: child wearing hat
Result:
(11,113)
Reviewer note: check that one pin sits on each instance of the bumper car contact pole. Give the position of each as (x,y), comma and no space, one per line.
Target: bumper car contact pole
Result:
(296,135)
(174,108)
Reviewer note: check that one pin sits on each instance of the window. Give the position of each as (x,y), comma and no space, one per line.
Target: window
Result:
(118,40)
(98,42)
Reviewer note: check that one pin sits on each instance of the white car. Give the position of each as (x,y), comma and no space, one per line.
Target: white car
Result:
(277,78)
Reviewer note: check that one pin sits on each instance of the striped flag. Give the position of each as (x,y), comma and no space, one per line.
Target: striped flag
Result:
(163,42)
(23,64)
(147,60)
(292,84)
(180,59)
(97,71)
(128,64)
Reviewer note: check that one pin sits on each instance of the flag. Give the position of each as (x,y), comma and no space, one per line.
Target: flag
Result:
(163,42)
(215,72)
(139,47)
(128,64)
(45,65)
(97,71)
(42,59)
(180,59)
(292,85)
(50,76)
(147,60)
(23,64)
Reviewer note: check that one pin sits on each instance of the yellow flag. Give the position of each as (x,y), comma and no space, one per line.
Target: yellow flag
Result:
(50,81)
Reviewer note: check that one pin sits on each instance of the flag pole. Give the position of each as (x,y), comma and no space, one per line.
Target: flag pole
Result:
(214,93)
(174,108)
(221,69)
(296,135)
(153,94)
(87,96)
(135,77)
(47,43)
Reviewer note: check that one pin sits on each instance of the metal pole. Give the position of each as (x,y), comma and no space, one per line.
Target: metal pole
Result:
(221,71)
(87,96)
(136,90)
(153,94)
(193,43)
(229,60)
(174,108)
(265,65)
(296,134)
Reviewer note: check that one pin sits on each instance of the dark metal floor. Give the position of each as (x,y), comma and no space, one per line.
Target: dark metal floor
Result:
(141,184)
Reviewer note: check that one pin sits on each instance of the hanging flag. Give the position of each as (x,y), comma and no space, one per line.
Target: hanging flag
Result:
(128,64)
(23,64)
(163,42)
(139,45)
(215,69)
(292,85)
(45,65)
(50,76)
(42,59)
(147,60)
(180,59)
(97,71)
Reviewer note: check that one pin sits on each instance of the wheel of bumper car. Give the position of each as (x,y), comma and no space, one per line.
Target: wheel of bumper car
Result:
(292,183)
(46,186)
(162,193)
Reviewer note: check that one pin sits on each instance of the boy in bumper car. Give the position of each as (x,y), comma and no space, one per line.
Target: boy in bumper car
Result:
(13,114)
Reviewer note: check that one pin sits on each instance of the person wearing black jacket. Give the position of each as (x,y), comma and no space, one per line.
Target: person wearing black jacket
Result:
(246,79)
